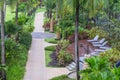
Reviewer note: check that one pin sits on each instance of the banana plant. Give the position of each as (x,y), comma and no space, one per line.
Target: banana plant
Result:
(98,69)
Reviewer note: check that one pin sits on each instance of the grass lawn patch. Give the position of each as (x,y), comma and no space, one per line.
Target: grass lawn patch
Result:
(47,57)
(48,52)
(50,48)
(40,10)
(51,40)
(62,77)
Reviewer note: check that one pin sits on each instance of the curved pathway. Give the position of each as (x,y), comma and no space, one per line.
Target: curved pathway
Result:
(35,68)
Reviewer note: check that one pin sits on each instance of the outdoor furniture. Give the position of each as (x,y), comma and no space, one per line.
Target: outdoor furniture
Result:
(95,53)
(99,42)
(100,45)
(72,65)
(81,59)
(70,68)
(100,50)
(94,39)
(103,47)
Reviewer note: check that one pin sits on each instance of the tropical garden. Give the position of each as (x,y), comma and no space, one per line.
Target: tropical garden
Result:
(72,21)
(88,18)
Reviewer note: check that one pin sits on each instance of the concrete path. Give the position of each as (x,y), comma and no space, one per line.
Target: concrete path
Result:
(35,68)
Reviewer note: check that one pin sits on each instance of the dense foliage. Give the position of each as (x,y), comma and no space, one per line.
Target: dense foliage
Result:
(113,55)
(17,36)
(99,68)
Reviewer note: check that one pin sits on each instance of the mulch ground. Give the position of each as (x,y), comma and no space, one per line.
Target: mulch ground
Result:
(54,61)
(83,46)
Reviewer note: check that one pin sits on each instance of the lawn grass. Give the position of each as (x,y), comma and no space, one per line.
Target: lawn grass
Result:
(51,40)
(47,57)
(48,52)
(42,9)
(62,77)
(50,48)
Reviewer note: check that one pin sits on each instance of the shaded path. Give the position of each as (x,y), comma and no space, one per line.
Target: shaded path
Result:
(35,68)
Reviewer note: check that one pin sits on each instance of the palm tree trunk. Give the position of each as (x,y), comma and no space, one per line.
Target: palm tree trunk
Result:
(51,25)
(50,14)
(76,40)
(2,43)
(16,13)
(4,8)
(57,10)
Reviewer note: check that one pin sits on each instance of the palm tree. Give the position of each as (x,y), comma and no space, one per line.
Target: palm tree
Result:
(16,13)
(2,18)
(94,6)
(76,3)
(2,6)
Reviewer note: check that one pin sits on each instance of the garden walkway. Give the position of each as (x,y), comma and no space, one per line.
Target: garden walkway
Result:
(35,68)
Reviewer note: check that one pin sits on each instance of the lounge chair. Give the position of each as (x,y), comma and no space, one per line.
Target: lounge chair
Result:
(81,59)
(100,50)
(100,45)
(103,47)
(95,53)
(94,39)
(72,66)
(99,42)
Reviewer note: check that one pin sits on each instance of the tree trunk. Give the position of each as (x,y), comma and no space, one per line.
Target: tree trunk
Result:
(50,13)
(76,40)
(2,43)
(47,13)
(51,25)
(16,13)
(4,8)
(57,10)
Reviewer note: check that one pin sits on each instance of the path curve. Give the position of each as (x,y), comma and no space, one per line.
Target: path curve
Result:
(35,68)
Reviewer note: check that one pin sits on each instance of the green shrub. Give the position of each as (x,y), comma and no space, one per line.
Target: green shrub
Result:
(115,44)
(15,72)
(62,77)
(113,55)
(113,29)
(51,40)
(28,28)
(63,43)
(11,48)
(50,48)
(98,69)
(64,58)
(16,65)
(22,7)
(97,31)
(46,20)
(10,27)
(115,38)
(22,19)
(25,38)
